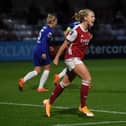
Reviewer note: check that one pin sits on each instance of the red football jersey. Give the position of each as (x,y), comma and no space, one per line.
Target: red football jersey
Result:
(79,39)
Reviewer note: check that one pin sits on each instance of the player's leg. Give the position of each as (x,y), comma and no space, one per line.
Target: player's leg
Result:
(44,78)
(82,71)
(31,74)
(46,64)
(57,77)
(28,76)
(69,76)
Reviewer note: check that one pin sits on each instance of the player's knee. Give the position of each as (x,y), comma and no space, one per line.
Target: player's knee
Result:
(88,78)
(38,71)
(64,84)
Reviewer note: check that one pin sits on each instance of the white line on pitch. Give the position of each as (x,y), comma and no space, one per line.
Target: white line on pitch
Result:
(59,107)
(107,111)
(91,123)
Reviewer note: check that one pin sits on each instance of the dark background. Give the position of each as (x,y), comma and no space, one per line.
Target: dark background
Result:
(22,19)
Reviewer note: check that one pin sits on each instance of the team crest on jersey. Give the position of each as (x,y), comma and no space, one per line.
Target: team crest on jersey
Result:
(82,36)
(49,35)
(44,27)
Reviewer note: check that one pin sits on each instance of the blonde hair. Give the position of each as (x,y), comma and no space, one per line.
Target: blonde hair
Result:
(84,13)
(50,18)
(76,16)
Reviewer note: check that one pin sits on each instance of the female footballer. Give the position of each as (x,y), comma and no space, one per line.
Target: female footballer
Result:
(41,55)
(75,44)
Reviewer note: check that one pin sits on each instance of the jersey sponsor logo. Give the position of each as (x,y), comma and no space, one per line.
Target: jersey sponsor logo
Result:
(84,41)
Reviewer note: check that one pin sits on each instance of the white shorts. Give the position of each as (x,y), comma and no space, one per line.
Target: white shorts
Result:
(70,63)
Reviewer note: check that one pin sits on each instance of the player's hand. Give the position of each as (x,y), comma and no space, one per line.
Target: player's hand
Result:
(51,49)
(44,56)
(56,61)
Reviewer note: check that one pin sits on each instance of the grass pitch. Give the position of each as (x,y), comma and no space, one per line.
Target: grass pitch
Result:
(106,98)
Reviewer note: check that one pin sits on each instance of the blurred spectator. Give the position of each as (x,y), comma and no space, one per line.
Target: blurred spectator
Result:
(24,23)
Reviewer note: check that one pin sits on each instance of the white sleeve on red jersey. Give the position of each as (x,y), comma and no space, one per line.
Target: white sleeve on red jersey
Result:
(72,35)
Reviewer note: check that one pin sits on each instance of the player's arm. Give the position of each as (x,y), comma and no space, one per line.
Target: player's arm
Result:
(46,37)
(44,49)
(69,39)
(60,51)
(42,40)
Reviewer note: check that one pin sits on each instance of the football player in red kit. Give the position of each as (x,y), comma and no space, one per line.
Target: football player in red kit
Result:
(76,43)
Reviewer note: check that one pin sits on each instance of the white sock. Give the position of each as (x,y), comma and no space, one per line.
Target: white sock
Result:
(30,75)
(62,73)
(43,78)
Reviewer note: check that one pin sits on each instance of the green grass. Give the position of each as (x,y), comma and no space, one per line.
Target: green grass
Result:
(106,99)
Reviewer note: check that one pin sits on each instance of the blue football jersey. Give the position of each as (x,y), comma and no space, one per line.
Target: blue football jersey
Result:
(45,36)
(71,25)
(42,46)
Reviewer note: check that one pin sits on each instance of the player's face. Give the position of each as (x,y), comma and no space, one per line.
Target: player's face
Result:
(91,18)
(54,22)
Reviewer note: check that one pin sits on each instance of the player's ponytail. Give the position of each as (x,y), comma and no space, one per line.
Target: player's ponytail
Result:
(76,16)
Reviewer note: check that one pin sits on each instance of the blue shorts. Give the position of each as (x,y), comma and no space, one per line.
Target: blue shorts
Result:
(38,61)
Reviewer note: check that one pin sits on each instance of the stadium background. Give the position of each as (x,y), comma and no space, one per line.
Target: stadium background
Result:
(20,22)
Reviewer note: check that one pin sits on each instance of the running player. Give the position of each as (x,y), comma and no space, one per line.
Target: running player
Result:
(76,43)
(41,56)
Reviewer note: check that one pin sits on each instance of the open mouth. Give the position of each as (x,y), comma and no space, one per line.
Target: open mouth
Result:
(92,23)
